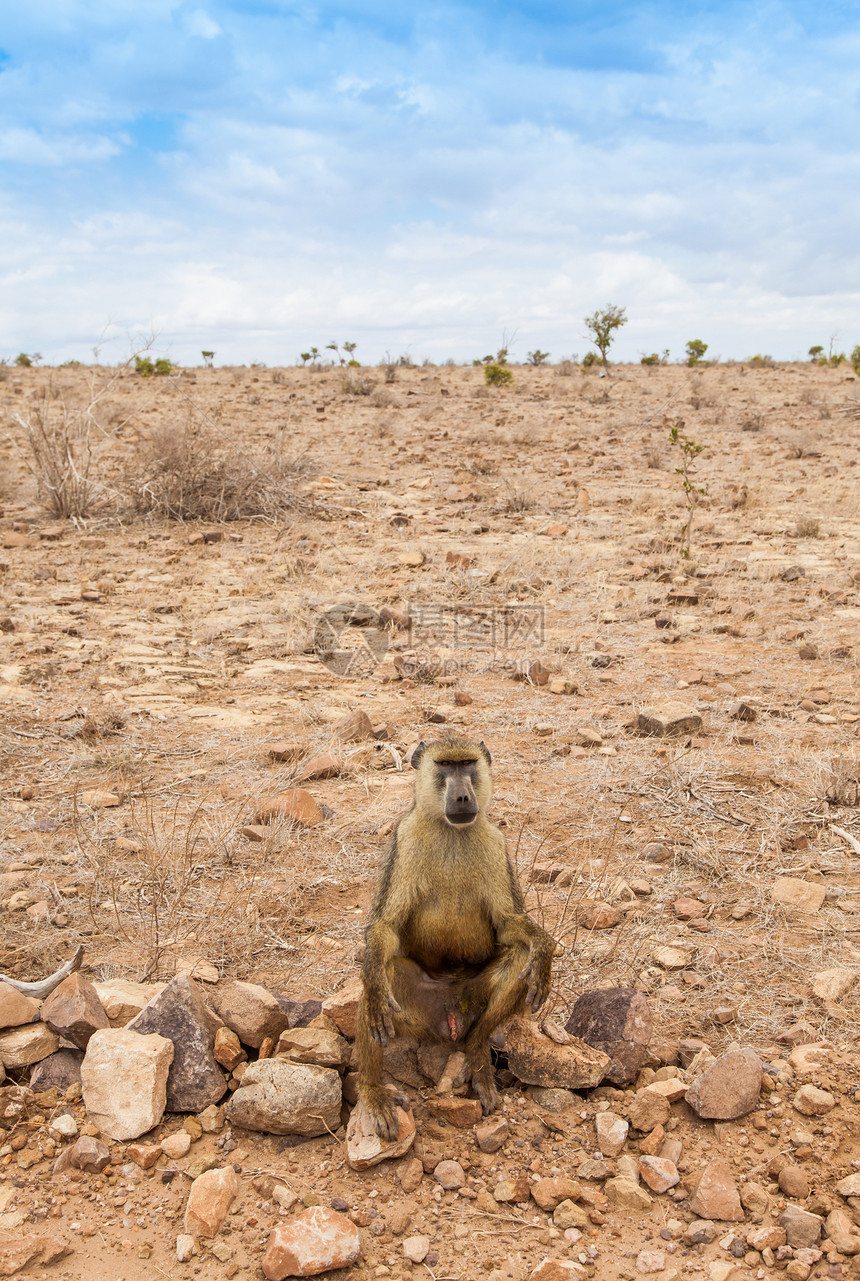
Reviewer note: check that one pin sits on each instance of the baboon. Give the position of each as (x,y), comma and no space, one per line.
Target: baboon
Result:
(450,951)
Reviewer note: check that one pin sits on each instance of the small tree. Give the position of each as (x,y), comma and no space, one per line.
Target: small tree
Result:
(497,376)
(815,354)
(304,357)
(537,357)
(349,348)
(601,328)
(695,351)
(208,357)
(335,347)
(692,492)
(25,361)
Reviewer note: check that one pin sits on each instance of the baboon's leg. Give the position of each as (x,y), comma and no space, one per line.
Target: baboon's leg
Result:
(499,993)
(380,1101)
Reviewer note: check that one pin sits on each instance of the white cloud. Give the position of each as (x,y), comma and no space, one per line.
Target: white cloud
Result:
(199,23)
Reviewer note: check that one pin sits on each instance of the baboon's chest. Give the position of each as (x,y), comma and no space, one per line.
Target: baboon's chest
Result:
(443,935)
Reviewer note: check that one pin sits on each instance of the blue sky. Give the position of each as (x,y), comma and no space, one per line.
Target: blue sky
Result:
(255,177)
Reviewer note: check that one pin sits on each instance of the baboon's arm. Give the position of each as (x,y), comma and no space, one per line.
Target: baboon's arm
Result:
(382,944)
(521,931)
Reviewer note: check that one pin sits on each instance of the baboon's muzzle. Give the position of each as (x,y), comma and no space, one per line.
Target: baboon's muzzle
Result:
(461,807)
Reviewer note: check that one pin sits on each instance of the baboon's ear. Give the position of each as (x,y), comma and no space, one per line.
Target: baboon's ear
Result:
(417,754)
(486,752)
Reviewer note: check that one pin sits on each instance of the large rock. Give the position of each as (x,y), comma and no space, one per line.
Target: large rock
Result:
(365,1148)
(832,985)
(123,1000)
(319,1240)
(252,1011)
(802,1228)
(58,1071)
(617,1021)
(17,1253)
(295,804)
(21,1046)
(842,1232)
(280,1097)
(15,1007)
(178,1013)
(536,1060)
(209,1201)
(342,1007)
(314,1045)
(74,1011)
(668,719)
(802,896)
(124,1081)
(809,1100)
(647,1109)
(86,1153)
(716,1196)
(729,1088)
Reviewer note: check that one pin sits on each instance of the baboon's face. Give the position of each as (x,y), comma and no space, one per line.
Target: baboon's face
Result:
(456,781)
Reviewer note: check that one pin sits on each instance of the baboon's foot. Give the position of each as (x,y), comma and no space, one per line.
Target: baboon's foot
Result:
(382,1104)
(484,1085)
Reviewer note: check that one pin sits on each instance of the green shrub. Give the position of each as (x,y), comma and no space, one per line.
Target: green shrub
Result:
(160,367)
(590,358)
(695,351)
(653,359)
(855,359)
(497,376)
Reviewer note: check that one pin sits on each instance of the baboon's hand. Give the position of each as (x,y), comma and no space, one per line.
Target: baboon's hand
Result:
(379,1004)
(537,973)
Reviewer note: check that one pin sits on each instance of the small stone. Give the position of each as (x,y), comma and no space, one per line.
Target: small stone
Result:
(536,1060)
(801,1227)
(553,1269)
(15,1007)
(176,1145)
(280,1097)
(618,1022)
(668,719)
(123,1000)
(294,804)
(512,1190)
(416,1249)
(185,1247)
(553,1100)
(86,1153)
(754,1198)
(319,1240)
(550,1192)
(650,1261)
(672,958)
(409,1174)
(743,711)
(767,1237)
(124,1081)
(807,651)
(832,985)
(17,1253)
(450,1175)
(803,896)
(326,766)
(842,1232)
(655,852)
(793,1183)
(74,1011)
(627,1195)
(594,915)
(209,1199)
(283,753)
(647,1109)
(688,909)
(365,1148)
(611,1133)
(729,1088)
(22,1046)
(585,736)
(211,1120)
(227,1049)
(461,1113)
(252,1011)
(342,1007)
(716,1196)
(568,1214)
(100,800)
(146,1155)
(493,1134)
(810,1101)
(659,1174)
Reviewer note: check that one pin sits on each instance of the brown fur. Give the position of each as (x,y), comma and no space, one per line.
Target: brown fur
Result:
(451,952)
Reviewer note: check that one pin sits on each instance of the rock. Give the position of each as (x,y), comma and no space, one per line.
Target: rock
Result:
(86,1153)
(319,1240)
(627,1195)
(849,1186)
(294,804)
(754,1198)
(729,1088)
(251,1011)
(58,1071)
(743,711)
(179,1013)
(461,1113)
(299,1013)
(100,800)
(17,1253)
(650,1261)
(585,736)
(124,1081)
(568,1214)
(556,1270)
(688,909)
(842,1232)
(227,1049)
(611,1133)
(793,1182)
(416,1249)
(326,766)
(283,753)
(658,1173)
(801,1227)
(493,1134)
(280,1097)
(536,1060)
(672,958)
(342,1007)
(809,1100)
(553,1100)
(618,1022)
(513,1190)
(700,1232)
(810,1057)
(832,985)
(365,1148)
(647,1109)
(15,1007)
(550,1192)
(409,1174)
(209,1199)
(146,1155)
(803,896)
(716,1196)
(74,1011)
(673,1088)
(21,1046)
(668,718)
(176,1145)
(655,852)
(123,1000)
(595,915)
(450,1175)
(64,1125)
(767,1237)
(314,1045)
(184,1247)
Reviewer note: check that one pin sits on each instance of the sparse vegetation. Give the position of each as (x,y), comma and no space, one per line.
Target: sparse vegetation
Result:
(25,361)
(537,357)
(208,359)
(161,367)
(496,375)
(807,527)
(601,326)
(696,351)
(690,451)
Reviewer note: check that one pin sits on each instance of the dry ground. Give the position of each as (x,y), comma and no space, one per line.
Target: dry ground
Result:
(138,662)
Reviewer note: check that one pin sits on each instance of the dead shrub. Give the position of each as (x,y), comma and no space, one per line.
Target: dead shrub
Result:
(752,422)
(807,527)
(358,385)
(189,475)
(60,451)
